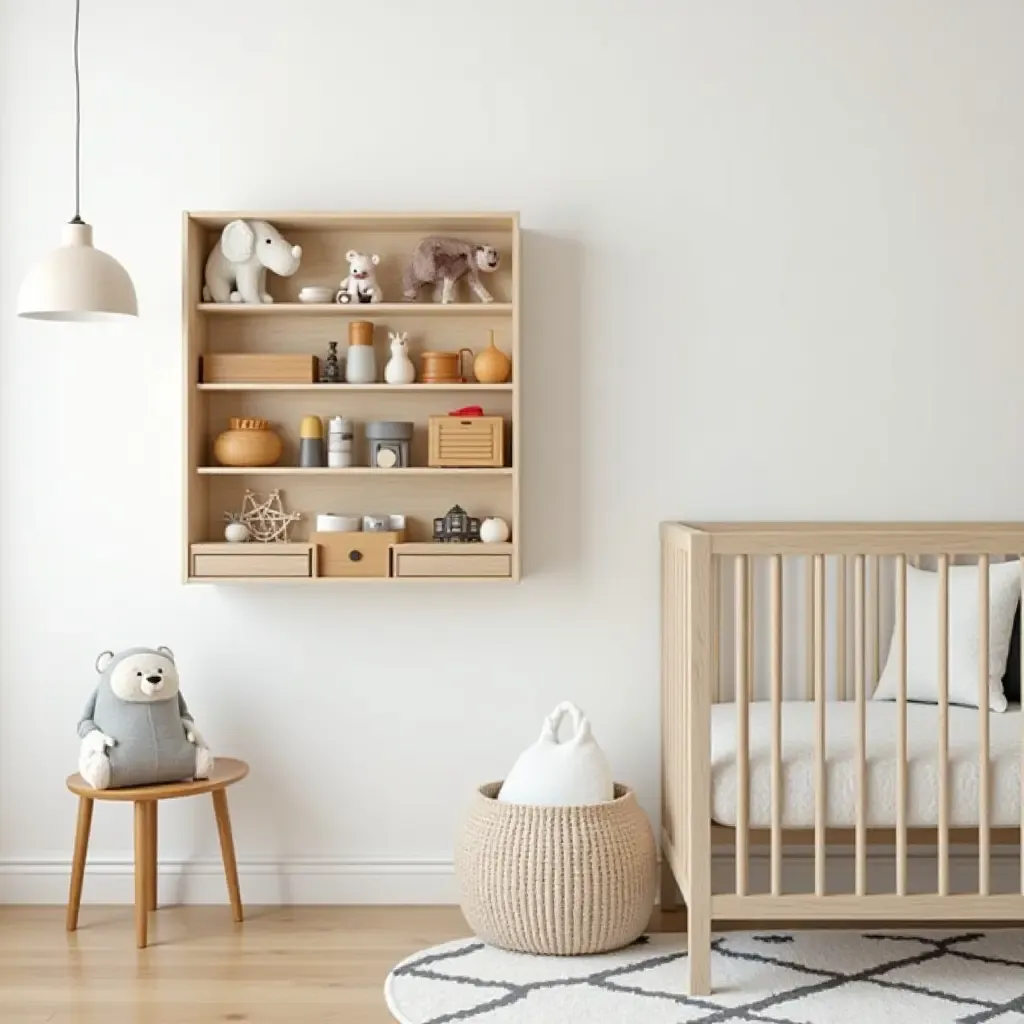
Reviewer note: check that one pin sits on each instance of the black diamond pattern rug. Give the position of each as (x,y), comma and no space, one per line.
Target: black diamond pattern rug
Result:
(814,977)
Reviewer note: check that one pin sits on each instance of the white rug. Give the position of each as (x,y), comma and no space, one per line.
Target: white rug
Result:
(815,977)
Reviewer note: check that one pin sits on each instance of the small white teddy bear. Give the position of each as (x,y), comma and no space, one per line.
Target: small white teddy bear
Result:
(361,284)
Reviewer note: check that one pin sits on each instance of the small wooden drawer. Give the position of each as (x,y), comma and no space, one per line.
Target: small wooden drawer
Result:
(473,441)
(258,368)
(220,560)
(448,560)
(355,554)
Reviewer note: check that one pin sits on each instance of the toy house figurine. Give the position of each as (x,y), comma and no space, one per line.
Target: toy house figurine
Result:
(456,527)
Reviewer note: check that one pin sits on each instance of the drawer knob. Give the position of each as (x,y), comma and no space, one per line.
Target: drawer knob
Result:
(355,556)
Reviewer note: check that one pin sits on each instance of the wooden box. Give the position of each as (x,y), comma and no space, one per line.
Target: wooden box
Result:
(258,368)
(473,442)
(445,561)
(355,554)
(221,559)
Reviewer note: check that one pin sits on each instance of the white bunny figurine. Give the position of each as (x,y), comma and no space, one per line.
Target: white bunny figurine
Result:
(399,368)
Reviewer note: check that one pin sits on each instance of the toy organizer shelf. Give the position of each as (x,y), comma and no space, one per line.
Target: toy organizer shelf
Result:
(287,326)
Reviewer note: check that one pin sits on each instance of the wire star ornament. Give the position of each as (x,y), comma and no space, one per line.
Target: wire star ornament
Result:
(267,520)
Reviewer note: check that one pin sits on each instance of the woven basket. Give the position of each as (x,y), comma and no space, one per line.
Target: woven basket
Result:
(562,881)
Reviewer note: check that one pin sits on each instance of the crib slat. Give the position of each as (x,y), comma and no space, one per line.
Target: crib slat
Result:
(820,796)
(943,725)
(742,725)
(873,618)
(841,627)
(776,656)
(809,668)
(751,627)
(901,727)
(984,834)
(858,683)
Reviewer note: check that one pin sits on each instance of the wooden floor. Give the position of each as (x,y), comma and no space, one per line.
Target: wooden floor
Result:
(283,966)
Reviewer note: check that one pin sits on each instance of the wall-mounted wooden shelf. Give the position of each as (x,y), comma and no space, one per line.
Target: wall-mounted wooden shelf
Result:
(286,326)
(365,312)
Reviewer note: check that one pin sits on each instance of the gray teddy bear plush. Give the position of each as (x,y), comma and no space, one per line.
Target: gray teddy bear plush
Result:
(136,728)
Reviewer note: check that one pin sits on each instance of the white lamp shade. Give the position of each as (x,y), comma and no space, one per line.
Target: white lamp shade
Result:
(77,282)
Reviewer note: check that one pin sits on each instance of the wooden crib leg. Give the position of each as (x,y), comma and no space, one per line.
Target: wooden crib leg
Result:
(698,771)
(698,945)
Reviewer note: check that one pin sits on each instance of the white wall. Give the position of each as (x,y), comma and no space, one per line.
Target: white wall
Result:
(773,269)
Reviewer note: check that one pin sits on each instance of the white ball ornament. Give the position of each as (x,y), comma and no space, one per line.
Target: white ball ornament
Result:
(494,531)
(236,533)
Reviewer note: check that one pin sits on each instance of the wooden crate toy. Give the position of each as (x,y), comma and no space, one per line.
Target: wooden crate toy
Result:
(466,442)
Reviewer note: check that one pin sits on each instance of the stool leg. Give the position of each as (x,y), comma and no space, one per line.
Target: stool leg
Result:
(141,872)
(227,850)
(78,864)
(151,857)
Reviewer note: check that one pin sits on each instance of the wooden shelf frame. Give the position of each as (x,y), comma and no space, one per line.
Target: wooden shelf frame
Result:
(348,471)
(343,389)
(287,325)
(378,311)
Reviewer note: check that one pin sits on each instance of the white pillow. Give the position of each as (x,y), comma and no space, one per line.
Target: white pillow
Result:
(557,773)
(964,636)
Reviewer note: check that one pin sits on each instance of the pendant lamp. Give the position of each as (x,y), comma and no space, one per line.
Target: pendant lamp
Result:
(76,282)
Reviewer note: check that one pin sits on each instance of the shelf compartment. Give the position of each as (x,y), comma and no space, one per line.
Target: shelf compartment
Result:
(215,561)
(453,561)
(367,311)
(349,471)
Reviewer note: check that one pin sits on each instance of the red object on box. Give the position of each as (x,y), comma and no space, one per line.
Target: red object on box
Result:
(469,410)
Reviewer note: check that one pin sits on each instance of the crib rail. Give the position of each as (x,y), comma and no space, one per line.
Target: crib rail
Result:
(740,603)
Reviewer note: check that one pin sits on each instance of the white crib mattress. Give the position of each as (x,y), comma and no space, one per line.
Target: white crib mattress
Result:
(798,731)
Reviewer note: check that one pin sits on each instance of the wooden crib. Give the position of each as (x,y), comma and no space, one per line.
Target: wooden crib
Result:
(801,616)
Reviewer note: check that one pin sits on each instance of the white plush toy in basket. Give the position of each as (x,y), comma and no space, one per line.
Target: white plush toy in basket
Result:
(557,773)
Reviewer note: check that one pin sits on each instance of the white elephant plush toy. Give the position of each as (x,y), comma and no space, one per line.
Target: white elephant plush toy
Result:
(236,270)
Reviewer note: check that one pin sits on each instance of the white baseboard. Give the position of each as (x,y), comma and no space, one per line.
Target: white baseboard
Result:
(263,882)
(410,882)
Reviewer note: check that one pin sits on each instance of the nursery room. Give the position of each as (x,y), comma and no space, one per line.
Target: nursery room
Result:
(509,513)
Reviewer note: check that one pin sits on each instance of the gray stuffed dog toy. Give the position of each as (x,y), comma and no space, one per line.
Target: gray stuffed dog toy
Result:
(136,729)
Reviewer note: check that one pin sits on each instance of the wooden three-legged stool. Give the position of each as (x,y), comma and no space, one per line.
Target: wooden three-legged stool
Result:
(226,771)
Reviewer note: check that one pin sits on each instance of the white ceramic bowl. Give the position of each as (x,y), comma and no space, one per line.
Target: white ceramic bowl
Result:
(315,293)
(333,522)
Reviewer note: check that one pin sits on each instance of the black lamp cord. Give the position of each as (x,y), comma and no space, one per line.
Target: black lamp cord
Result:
(78,122)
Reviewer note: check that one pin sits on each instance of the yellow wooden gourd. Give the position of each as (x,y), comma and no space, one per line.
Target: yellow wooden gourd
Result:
(492,366)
